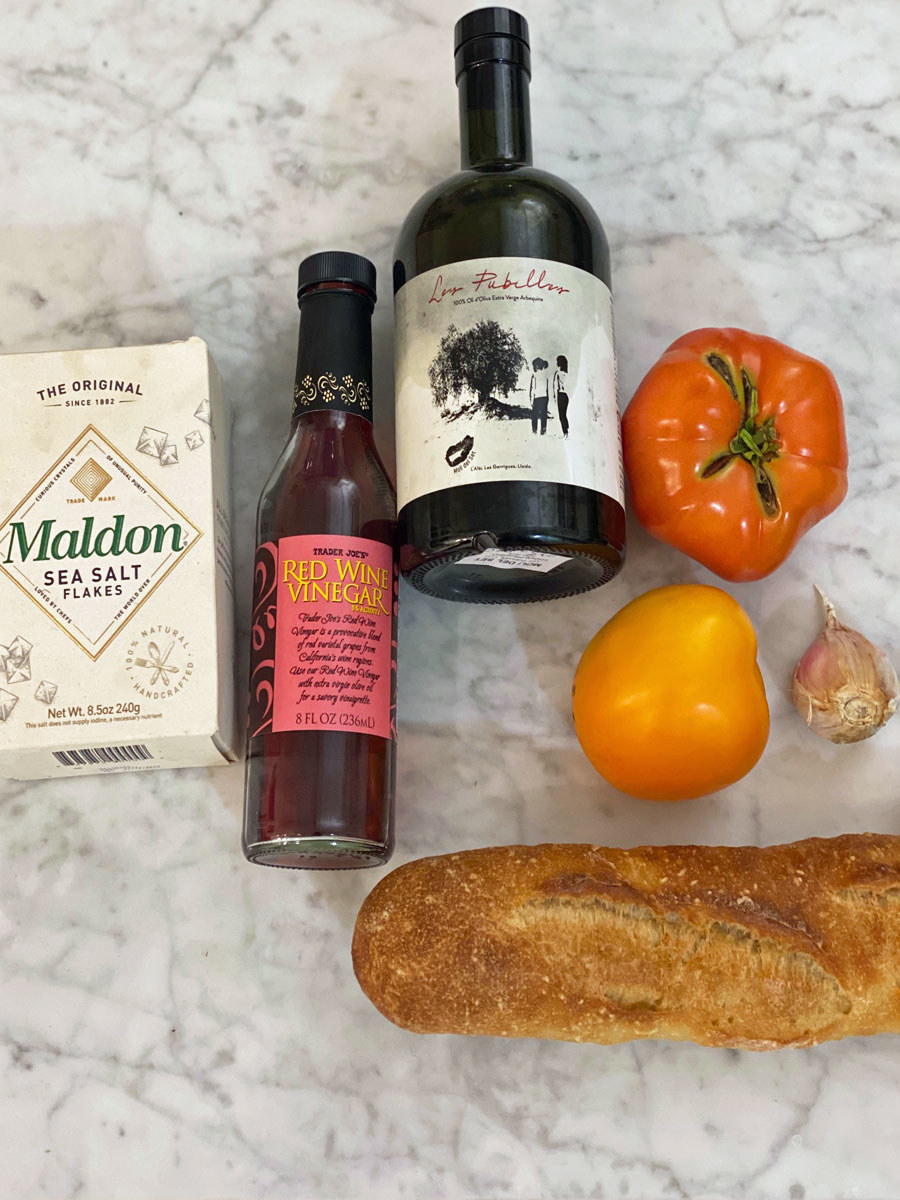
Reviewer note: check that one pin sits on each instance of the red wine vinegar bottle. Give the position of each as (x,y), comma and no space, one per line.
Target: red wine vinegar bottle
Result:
(508,453)
(323,660)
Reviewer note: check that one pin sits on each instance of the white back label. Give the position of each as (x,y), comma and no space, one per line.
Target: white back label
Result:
(516,560)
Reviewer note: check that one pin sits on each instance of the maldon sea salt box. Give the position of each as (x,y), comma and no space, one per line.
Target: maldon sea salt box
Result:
(116,587)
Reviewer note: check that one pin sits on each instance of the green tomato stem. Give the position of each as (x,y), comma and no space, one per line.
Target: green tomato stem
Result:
(757,443)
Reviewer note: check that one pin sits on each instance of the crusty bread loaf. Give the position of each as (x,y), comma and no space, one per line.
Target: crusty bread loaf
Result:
(726,946)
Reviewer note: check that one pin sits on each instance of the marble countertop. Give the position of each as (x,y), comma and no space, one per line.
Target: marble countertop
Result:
(177,1023)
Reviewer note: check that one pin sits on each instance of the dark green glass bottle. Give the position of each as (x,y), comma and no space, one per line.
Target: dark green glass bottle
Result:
(509,458)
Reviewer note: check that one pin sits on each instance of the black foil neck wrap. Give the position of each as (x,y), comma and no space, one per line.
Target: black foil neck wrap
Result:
(334,354)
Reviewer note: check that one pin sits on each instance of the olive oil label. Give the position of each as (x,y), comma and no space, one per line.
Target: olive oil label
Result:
(505,370)
(116,589)
(322,650)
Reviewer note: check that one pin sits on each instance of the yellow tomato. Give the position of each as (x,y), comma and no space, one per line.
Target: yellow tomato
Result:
(669,702)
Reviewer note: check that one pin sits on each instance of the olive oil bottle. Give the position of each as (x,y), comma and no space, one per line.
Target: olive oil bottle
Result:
(509,459)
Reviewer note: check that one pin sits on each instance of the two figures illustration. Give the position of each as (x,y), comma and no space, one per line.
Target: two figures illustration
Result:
(540,389)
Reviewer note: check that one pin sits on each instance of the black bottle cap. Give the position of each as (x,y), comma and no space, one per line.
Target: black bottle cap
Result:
(490,22)
(491,35)
(336,266)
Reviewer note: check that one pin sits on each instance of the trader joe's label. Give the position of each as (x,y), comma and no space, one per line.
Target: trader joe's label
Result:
(506,370)
(322,655)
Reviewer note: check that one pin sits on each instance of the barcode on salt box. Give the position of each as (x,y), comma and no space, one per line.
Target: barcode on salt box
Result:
(97,755)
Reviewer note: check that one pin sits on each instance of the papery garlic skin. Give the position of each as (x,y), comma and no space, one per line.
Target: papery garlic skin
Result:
(844,687)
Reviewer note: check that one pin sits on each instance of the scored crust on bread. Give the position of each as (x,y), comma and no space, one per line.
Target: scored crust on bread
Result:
(750,947)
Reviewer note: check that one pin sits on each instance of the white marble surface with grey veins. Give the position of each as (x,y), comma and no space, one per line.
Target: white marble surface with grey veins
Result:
(175,1022)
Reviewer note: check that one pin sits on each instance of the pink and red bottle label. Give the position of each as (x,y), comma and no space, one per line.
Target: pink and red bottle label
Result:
(323,655)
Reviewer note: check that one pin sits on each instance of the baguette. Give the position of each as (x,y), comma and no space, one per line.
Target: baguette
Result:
(726,946)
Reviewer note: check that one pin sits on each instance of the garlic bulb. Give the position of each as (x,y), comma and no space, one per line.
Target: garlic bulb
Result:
(844,687)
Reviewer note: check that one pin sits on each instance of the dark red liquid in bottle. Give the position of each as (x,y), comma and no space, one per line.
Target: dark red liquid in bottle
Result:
(322,797)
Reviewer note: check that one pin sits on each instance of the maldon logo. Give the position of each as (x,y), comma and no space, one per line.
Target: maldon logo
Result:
(46,542)
(91,576)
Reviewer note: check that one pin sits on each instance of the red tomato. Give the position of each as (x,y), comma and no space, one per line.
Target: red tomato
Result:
(734,446)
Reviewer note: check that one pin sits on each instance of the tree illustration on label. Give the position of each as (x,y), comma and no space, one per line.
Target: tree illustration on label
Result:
(485,362)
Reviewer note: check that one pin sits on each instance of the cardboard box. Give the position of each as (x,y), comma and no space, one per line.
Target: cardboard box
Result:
(116,583)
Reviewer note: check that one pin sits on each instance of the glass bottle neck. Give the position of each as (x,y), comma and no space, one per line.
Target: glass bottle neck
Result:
(346,425)
(334,353)
(494,115)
